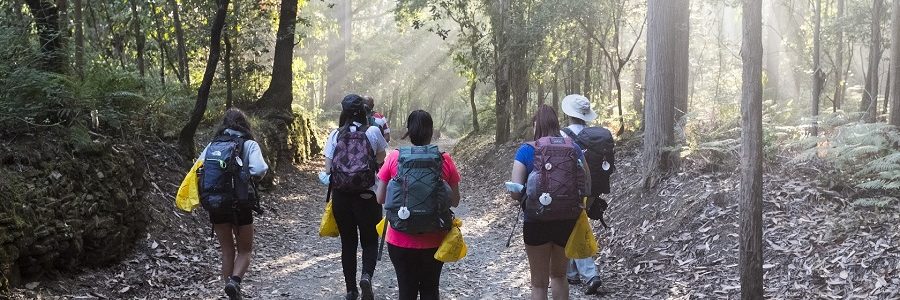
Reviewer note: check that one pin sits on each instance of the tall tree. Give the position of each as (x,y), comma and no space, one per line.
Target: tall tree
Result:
(79,38)
(682,31)
(279,95)
(617,62)
(139,37)
(839,84)
(659,108)
(184,73)
(818,77)
(751,233)
(160,41)
(497,11)
(186,137)
(50,35)
(229,93)
(895,65)
(869,103)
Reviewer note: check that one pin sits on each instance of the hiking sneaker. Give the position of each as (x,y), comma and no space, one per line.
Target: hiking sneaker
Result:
(574,281)
(353,295)
(365,286)
(233,290)
(593,286)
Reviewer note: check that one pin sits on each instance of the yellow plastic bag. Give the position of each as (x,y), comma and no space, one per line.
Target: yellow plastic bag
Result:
(452,248)
(380,226)
(328,227)
(188,197)
(582,243)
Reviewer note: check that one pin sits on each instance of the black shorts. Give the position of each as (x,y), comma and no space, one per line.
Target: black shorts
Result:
(540,233)
(240,217)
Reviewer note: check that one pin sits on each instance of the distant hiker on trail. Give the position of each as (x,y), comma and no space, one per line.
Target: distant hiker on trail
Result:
(594,140)
(417,185)
(353,153)
(549,179)
(230,164)
(377,119)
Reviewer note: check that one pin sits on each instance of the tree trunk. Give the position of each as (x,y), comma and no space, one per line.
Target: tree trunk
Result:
(817,74)
(183,68)
(839,85)
(337,53)
(46,20)
(662,68)
(229,93)
(887,89)
(894,118)
(541,93)
(554,94)
(186,138)
(518,84)
(637,95)
(498,11)
(79,39)
(139,37)
(682,32)
(160,43)
(472,86)
(869,104)
(279,95)
(751,233)
(588,63)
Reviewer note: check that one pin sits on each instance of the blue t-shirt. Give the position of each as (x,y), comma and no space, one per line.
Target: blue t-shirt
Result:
(525,155)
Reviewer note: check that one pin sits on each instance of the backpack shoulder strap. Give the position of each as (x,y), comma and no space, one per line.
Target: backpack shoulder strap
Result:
(573,136)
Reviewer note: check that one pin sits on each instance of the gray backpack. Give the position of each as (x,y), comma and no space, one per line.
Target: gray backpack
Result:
(418,199)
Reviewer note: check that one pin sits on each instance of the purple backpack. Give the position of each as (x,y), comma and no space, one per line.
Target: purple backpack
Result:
(353,166)
(555,187)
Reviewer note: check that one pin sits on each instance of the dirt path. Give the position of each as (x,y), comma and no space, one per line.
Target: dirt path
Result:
(293,262)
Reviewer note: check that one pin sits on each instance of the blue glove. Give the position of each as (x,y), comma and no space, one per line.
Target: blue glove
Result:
(324,178)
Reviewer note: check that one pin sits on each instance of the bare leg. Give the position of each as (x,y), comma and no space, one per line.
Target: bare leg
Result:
(244,236)
(558,264)
(539,264)
(226,244)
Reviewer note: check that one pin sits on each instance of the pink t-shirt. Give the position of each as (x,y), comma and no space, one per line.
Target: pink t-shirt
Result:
(416,241)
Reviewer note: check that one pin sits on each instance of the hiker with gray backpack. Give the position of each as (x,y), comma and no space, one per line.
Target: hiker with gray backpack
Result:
(598,144)
(550,179)
(353,153)
(231,163)
(418,185)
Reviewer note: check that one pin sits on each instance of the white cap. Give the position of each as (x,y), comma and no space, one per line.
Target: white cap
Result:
(578,106)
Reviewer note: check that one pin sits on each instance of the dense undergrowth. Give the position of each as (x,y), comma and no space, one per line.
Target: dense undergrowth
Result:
(81,156)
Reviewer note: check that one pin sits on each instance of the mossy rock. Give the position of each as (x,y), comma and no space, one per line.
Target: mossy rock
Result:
(71,203)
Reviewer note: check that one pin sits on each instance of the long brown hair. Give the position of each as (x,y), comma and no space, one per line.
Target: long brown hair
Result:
(546,122)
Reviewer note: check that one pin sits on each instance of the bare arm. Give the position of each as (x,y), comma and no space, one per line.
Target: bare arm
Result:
(519,175)
(328,166)
(454,195)
(381,192)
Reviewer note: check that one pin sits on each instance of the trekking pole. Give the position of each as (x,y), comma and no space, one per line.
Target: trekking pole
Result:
(381,243)
(513,230)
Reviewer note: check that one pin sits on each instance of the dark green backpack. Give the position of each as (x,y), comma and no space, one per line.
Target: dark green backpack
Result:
(419,188)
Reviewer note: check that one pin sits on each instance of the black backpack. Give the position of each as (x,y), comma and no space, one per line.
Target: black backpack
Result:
(599,148)
(224,180)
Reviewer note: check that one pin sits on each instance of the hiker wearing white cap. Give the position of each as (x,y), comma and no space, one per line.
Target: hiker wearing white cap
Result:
(598,144)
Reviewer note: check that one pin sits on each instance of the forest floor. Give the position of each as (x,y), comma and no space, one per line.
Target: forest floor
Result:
(676,241)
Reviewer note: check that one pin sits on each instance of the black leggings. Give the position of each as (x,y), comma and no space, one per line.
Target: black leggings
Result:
(418,273)
(352,212)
